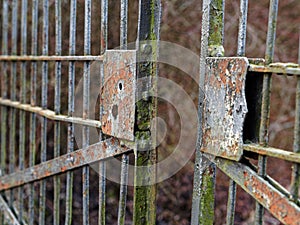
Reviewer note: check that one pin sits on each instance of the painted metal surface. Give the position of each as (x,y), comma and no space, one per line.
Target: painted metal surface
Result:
(266,99)
(225,107)
(278,68)
(102,164)
(295,180)
(57,108)
(269,197)
(205,172)
(241,51)
(49,114)
(71,109)
(273,152)
(146,155)
(125,157)
(99,151)
(33,98)
(15,58)
(118,94)
(223,81)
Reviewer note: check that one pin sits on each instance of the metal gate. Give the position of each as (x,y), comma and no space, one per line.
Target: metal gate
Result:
(235,121)
(35,161)
(41,150)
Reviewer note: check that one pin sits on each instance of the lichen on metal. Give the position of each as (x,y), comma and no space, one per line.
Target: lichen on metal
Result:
(118,94)
(280,206)
(225,107)
(278,68)
(93,153)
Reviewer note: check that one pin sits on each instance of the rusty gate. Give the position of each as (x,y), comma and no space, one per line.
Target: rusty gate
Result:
(40,146)
(42,161)
(235,122)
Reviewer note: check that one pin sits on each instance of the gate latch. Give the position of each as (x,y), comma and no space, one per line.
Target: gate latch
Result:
(225,107)
(118,94)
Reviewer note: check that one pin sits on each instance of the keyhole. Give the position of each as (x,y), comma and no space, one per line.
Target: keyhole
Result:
(120,86)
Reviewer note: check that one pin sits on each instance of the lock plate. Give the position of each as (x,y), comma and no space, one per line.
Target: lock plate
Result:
(118,94)
(225,107)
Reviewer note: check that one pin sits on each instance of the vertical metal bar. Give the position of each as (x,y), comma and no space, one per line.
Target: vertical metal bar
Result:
(102,164)
(86,95)
(198,170)
(295,184)
(57,107)
(144,208)
(42,206)
(12,137)
(266,93)
(123,23)
(240,52)
(4,84)
(125,157)
(123,190)
(215,41)
(71,96)
(242,28)
(34,36)
(22,100)
(204,174)
(231,203)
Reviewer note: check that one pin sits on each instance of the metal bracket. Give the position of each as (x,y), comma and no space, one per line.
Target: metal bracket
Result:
(118,94)
(224,107)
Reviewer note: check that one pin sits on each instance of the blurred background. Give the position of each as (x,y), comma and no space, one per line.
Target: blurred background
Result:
(181,24)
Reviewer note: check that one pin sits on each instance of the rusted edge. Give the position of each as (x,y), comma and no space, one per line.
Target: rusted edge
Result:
(225,107)
(278,68)
(49,114)
(273,152)
(273,200)
(99,151)
(118,93)
(257,61)
(51,58)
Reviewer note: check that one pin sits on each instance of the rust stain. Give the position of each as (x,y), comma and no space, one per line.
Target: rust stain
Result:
(118,94)
(224,107)
(90,154)
(63,169)
(4,186)
(47,173)
(278,205)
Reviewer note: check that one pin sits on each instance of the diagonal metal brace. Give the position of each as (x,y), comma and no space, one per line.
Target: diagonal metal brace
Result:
(93,153)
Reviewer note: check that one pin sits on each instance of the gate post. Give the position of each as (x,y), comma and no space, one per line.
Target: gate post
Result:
(146,108)
(204,172)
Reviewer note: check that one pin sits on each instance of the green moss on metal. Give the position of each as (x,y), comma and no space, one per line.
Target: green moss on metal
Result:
(145,155)
(207,197)
(215,42)
(143,114)
(216,27)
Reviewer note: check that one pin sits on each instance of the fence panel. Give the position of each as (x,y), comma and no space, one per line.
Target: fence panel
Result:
(50,129)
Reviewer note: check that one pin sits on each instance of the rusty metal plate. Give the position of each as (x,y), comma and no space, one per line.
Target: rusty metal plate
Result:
(91,154)
(277,203)
(224,107)
(118,94)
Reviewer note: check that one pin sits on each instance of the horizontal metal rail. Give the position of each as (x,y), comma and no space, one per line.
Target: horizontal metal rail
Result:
(279,68)
(276,202)
(8,214)
(51,58)
(49,114)
(93,153)
(273,152)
